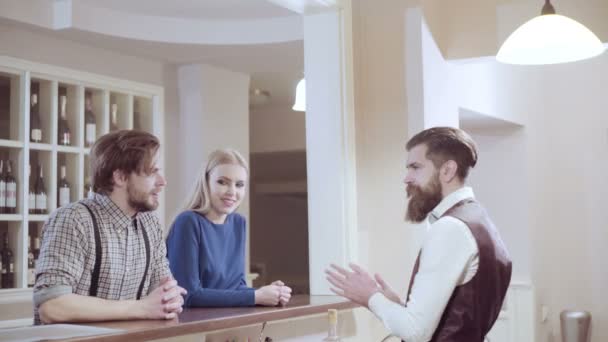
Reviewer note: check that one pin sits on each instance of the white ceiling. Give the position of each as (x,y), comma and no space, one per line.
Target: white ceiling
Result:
(196,9)
(257,58)
(275,67)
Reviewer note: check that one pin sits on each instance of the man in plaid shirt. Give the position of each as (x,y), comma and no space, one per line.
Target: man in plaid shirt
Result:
(104,258)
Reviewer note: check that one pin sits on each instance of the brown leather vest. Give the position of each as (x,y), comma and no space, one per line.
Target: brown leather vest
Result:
(474,306)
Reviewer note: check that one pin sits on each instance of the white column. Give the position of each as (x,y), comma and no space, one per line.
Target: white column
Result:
(213,113)
(330,145)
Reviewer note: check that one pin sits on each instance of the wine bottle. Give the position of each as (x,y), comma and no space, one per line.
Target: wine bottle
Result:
(2,188)
(8,265)
(332,332)
(35,126)
(90,124)
(64,189)
(114,118)
(11,189)
(136,115)
(40,192)
(64,137)
(36,248)
(31,200)
(88,189)
(31,265)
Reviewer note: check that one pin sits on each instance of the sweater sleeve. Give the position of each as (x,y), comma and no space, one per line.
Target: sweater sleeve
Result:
(242,226)
(183,251)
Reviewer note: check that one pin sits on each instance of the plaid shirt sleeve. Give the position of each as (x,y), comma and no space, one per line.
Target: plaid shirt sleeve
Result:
(160,265)
(62,261)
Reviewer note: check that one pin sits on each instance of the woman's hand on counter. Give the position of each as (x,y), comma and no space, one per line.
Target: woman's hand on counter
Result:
(268,295)
(285,292)
(277,293)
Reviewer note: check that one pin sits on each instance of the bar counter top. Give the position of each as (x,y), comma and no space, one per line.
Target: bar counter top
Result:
(201,320)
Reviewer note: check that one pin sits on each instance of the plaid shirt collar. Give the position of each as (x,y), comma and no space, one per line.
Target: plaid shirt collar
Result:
(119,220)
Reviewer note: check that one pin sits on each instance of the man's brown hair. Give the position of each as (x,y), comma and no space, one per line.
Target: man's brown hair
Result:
(127,151)
(447,143)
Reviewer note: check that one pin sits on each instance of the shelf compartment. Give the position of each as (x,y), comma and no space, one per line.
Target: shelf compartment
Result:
(71,163)
(99,100)
(46,92)
(34,241)
(15,245)
(44,159)
(15,156)
(142,114)
(10,106)
(74,107)
(124,113)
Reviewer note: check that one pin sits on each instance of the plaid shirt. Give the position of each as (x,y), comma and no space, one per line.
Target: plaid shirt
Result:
(67,254)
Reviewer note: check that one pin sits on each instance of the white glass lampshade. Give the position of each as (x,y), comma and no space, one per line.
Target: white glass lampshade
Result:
(549,39)
(300,103)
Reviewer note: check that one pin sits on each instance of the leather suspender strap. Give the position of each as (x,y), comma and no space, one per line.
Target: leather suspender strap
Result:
(147,243)
(98,254)
(97,267)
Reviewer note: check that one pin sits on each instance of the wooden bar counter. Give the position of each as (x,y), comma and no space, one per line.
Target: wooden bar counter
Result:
(203,320)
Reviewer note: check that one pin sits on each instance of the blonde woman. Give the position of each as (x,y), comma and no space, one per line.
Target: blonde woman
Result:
(206,244)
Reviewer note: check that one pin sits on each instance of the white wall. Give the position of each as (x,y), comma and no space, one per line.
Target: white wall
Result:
(500,183)
(562,151)
(213,114)
(440,107)
(42,47)
(275,129)
(387,245)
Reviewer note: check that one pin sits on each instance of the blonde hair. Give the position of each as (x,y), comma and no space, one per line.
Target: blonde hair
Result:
(199,199)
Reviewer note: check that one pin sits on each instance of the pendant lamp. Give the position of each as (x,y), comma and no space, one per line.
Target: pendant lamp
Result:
(300,103)
(549,39)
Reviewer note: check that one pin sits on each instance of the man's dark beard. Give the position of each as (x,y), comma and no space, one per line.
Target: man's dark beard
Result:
(422,200)
(138,200)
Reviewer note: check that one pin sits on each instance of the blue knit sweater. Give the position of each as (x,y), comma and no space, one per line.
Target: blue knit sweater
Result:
(208,260)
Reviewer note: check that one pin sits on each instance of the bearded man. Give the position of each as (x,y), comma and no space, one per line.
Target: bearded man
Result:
(463,270)
(104,258)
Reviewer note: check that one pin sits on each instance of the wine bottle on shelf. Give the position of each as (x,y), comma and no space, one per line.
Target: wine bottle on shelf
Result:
(64,189)
(88,189)
(2,188)
(332,331)
(41,206)
(11,189)
(36,250)
(31,265)
(64,135)
(90,124)
(35,125)
(31,200)
(8,265)
(136,115)
(114,118)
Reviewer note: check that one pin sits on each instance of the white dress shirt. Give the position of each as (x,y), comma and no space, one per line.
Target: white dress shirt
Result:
(449,257)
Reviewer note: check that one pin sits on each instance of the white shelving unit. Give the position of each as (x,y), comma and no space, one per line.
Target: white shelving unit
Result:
(18,79)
